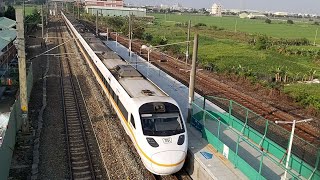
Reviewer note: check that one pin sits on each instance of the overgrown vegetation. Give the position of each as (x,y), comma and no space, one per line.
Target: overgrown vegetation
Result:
(32,20)
(261,58)
(305,94)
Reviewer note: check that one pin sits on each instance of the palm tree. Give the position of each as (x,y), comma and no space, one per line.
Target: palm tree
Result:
(277,74)
(312,73)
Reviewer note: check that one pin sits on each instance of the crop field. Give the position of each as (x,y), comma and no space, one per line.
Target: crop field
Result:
(278,28)
(227,50)
(221,49)
(228,53)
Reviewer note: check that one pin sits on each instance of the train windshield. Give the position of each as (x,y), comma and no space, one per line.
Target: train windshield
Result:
(162,124)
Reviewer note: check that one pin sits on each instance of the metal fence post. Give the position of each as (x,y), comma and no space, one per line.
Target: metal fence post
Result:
(265,133)
(230,108)
(219,129)
(237,150)
(261,164)
(245,124)
(204,122)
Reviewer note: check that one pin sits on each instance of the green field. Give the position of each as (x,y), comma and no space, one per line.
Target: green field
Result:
(224,50)
(277,28)
(227,50)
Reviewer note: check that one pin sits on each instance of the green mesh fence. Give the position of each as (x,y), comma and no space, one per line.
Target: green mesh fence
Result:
(256,146)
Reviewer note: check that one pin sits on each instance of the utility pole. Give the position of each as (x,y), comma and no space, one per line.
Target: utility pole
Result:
(42,29)
(192,76)
(188,43)
(97,30)
(22,71)
(315,37)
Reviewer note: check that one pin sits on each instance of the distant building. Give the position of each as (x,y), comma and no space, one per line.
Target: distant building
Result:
(216,10)
(177,7)
(116,11)
(112,8)
(243,15)
(281,14)
(257,16)
(163,6)
(104,3)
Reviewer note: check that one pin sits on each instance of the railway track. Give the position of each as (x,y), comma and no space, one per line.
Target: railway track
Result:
(208,85)
(81,157)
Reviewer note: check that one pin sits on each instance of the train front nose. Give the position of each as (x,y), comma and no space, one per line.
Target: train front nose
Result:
(171,162)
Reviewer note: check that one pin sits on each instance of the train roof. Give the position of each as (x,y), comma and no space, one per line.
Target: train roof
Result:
(113,63)
(138,87)
(134,83)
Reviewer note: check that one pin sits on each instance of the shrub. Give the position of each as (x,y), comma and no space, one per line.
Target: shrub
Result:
(289,21)
(263,42)
(200,24)
(148,37)
(268,21)
(316,23)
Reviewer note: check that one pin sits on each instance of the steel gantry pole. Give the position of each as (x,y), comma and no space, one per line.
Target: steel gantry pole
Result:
(97,30)
(42,24)
(130,34)
(188,44)
(22,70)
(294,122)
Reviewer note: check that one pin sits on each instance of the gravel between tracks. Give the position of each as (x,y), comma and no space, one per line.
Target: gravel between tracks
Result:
(53,160)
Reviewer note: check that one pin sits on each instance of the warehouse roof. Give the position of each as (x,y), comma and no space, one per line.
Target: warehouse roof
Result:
(6,23)
(6,36)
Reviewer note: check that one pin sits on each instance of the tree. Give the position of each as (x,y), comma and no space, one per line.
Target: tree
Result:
(289,21)
(268,21)
(10,13)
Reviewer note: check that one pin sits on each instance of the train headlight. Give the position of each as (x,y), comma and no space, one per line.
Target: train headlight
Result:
(181,140)
(152,142)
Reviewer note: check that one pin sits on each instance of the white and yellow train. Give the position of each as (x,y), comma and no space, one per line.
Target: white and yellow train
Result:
(150,117)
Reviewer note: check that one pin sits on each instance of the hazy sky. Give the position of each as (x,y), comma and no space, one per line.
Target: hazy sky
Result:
(303,6)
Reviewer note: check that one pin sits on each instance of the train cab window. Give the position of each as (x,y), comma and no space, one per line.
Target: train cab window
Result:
(132,121)
(165,124)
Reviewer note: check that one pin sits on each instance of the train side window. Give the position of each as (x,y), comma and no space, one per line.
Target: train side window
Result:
(123,110)
(132,121)
(111,92)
